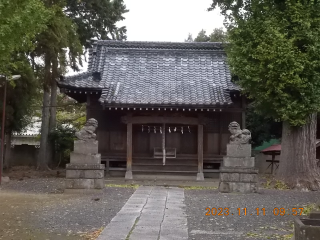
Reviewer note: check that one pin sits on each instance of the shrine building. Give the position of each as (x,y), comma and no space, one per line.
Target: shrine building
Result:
(163,108)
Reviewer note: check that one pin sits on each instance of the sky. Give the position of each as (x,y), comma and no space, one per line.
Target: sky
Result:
(166,20)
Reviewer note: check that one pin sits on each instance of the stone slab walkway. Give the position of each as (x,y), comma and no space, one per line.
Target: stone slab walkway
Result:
(151,213)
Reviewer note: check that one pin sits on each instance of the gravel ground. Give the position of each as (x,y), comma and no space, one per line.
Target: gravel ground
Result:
(36,209)
(270,226)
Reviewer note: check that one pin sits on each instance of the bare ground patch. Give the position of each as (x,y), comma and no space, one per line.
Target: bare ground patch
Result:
(37,208)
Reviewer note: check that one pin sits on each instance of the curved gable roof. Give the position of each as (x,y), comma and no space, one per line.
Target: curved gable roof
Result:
(156,73)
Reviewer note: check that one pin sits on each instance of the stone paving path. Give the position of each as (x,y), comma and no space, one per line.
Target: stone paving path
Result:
(151,213)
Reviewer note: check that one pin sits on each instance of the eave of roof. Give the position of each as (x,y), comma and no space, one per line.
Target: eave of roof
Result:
(160,45)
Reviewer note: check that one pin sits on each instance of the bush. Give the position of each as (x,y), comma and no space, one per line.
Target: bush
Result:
(63,137)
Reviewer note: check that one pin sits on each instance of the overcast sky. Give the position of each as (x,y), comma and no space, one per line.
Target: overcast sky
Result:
(166,20)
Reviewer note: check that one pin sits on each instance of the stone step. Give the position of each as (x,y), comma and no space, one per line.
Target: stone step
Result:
(160,168)
(165,176)
(158,161)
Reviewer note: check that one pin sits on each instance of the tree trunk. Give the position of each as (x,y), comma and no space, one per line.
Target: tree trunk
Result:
(52,121)
(298,167)
(7,152)
(42,157)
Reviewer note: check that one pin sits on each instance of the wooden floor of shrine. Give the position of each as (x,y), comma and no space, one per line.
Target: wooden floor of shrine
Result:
(182,165)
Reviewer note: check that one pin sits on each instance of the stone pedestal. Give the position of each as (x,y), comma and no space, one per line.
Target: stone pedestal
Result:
(307,228)
(85,170)
(237,174)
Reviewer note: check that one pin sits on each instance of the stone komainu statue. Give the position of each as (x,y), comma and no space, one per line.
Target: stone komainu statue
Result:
(238,136)
(87,132)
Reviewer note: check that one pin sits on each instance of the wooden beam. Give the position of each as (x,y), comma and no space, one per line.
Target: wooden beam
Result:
(129,151)
(225,108)
(168,120)
(200,176)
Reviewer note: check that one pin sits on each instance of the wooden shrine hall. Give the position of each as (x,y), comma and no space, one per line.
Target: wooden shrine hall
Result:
(163,108)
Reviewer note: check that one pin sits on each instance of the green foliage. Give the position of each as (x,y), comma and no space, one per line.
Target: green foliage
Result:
(307,209)
(276,184)
(20,22)
(198,188)
(63,137)
(218,35)
(262,128)
(202,37)
(189,38)
(97,19)
(134,186)
(20,96)
(274,50)
(70,112)
(280,185)
(52,44)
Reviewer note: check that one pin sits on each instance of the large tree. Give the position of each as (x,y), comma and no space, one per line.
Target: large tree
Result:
(263,128)
(20,22)
(19,101)
(51,47)
(74,23)
(97,19)
(274,49)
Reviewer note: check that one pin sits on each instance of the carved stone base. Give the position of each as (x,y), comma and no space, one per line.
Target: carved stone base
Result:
(237,173)
(88,146)
(239,150)
(233,179)
(242,187)
(238,162)
(96,174)
(200,177)
(85,166)
(81,158)
(128,175)
(84,183)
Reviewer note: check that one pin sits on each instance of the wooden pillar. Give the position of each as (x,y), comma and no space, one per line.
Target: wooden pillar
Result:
(88,115)
(220,134)
(164,143)
(272,162)
(200,176)
(129,151)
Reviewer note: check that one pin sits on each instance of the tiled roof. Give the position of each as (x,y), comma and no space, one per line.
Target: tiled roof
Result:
(156,73)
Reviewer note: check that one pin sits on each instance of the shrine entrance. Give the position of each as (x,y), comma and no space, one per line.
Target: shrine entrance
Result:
(164,144)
